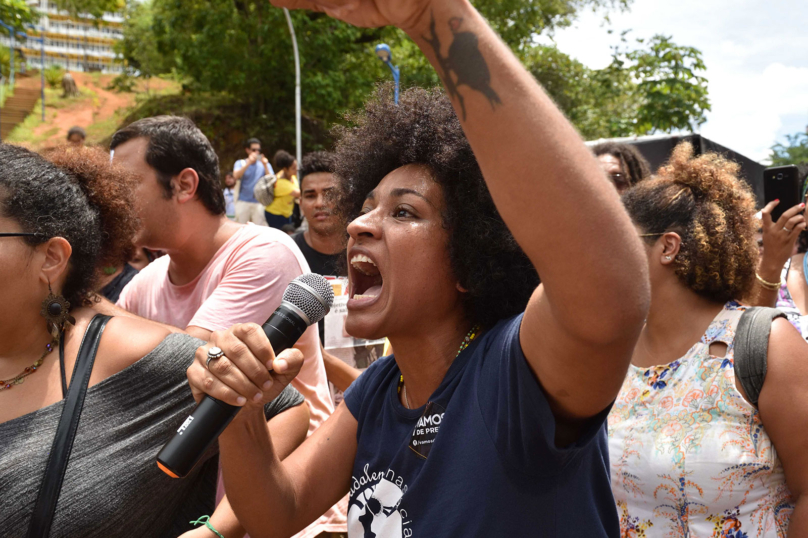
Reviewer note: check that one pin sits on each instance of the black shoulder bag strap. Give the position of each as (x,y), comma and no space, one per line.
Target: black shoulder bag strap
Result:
(66,431)
(751,348)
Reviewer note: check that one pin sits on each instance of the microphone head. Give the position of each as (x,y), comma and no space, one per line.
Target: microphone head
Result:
(312,294)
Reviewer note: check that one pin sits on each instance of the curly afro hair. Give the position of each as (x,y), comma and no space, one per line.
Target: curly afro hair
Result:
(79,196)
(701,199)
(423,129)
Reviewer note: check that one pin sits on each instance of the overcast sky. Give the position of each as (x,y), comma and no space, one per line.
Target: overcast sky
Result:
(756,54)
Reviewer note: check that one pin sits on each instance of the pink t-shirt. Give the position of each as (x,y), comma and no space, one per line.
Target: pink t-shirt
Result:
(243,282)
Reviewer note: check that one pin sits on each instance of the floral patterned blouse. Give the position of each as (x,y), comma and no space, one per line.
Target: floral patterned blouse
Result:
(689,455)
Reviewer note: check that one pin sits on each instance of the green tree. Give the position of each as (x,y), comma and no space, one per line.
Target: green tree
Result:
(656,86)
(238,53)
(94,8)
(18,14)
(672,92)
(794,151)
(138,46)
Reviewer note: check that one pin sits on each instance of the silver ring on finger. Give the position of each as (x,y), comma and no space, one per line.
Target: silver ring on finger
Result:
(213,353)
(786,229)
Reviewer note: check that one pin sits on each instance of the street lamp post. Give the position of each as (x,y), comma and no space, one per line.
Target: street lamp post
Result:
(385,55)
(298,132)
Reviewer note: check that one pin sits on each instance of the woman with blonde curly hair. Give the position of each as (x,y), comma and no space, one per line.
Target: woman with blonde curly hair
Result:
(692,454)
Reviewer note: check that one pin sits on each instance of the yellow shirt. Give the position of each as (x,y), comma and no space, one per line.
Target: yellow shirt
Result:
(284,202)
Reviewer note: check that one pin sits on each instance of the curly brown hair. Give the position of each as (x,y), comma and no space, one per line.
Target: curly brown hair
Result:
(703,200)
(423,129)
(75,194)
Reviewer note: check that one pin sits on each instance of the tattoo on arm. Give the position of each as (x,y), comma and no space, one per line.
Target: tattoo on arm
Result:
(463,64)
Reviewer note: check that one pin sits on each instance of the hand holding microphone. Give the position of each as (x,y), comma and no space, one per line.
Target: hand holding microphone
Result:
(234,370)
(241,375)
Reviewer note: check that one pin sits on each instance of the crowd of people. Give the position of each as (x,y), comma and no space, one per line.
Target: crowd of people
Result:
(580,345)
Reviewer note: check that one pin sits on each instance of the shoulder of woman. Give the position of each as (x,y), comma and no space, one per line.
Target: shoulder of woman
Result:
(787,352)
(126,340)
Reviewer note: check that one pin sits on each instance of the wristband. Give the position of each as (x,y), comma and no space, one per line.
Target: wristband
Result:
(771,286)
(205,520)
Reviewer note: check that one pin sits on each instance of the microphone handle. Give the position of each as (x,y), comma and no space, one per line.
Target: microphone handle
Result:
(210,417)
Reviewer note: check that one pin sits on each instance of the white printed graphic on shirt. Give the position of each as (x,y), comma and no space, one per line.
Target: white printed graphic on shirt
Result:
(375,511)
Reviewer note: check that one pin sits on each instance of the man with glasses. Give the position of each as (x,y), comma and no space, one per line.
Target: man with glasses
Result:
(248,171)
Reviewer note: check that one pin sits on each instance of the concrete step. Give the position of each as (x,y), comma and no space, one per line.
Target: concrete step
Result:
(17,108)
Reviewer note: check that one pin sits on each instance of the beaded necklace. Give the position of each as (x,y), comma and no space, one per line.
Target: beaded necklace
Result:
(18,380)
(473,333)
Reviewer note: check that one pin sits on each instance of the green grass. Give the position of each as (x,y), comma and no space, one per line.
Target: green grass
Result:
(6,91)
(24,132)
(54,99)
(102,130)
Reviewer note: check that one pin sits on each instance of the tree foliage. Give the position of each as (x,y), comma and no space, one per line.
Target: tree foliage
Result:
(138,45)
(17,14)
(93,8)
(655,86)
(794,151)
(242,50)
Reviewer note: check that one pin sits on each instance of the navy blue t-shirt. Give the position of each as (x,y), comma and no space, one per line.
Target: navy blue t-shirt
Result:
(479,460)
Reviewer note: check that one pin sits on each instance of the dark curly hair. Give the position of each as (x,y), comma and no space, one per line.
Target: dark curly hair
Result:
(283,159)
(631,160)
(423,129)
(703,200)
(79,196)
(316,161)
(176,143)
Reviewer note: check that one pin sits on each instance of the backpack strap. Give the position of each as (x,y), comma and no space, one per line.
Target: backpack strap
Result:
(51,486)
(751,348)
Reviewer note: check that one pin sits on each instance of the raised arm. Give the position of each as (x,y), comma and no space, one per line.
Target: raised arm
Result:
(779,239)
(579,330)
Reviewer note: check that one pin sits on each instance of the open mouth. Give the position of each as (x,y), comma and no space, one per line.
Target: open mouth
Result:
(366,280)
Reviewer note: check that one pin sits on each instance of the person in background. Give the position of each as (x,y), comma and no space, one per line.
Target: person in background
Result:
(623,163)
(229,196)
(490,420)
(247,172)
(76,136)
(781,279)
(692,454)
(143,257)
(115,279)
(215,272)
(323,244)
(60,223)
(287,191)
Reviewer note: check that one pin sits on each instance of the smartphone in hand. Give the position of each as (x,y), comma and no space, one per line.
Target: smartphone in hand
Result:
(782,183)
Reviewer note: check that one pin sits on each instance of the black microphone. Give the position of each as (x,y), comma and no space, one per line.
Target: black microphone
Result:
(305,302)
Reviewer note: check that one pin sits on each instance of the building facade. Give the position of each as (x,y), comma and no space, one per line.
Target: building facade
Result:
(76,44)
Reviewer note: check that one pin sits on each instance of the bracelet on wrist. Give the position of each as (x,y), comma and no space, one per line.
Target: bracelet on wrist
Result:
(771,286)
(205,520)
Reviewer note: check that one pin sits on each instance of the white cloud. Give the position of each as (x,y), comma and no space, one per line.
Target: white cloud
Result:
(754,51)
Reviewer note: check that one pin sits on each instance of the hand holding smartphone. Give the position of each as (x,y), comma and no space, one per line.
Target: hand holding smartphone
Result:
(782,183)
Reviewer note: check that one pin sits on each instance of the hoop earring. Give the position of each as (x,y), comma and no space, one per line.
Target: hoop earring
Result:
(56,311)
